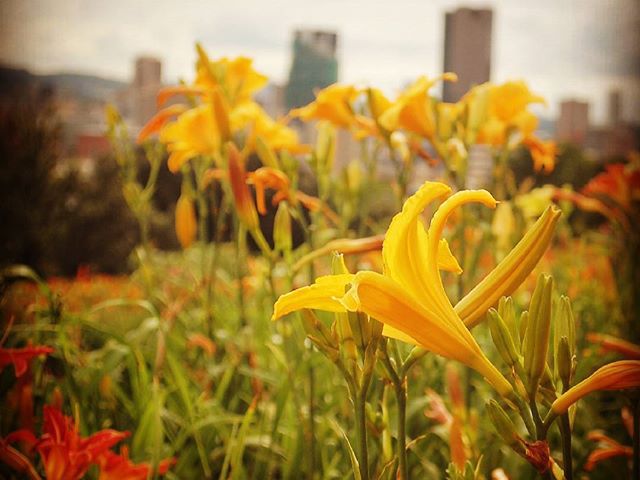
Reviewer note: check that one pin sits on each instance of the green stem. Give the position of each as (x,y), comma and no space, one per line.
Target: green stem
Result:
(312,428)
(635,404)
(360,403)
(401,398)
(565,434)
(400,390)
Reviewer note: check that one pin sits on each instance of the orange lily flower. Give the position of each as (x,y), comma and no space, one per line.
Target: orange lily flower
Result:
(614,344)
(64,453)
(608,448)
(267,177)
(619,375)
(619,182)
(120,467)
(20,357)
(543,153)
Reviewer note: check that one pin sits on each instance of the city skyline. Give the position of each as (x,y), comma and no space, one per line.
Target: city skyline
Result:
(566,49)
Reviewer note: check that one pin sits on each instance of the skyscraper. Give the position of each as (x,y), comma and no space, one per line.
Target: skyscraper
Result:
(467,50)
(314,65)
(573,122)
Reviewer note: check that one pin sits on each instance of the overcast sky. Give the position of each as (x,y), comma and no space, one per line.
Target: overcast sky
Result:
(563,48)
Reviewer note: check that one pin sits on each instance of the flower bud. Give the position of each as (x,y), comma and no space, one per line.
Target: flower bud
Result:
(241,194)
(536,342)
(186,224)
(221,113)
(325,146)
(505,426)
(564,361)
(266,154)
(282,228)
(508,314)
(502,338)
(564,327)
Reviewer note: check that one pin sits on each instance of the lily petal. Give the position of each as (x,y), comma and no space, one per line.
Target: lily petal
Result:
(322,295)
(389,302)
(405,246)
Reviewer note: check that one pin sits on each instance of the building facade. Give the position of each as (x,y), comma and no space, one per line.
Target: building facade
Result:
(467,50)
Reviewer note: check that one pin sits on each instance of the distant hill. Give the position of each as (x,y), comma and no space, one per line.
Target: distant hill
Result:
(87,87)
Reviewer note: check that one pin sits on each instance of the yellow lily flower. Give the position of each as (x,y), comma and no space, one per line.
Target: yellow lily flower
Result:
(332,104)
(412,110)
(509,100)
(619,375)
(409,298)
(275,135)
(195,132)
(236,76)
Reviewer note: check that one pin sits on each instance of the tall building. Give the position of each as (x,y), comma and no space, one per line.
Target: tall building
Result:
(573,122)
(467,50)
(137,102)
(314,65)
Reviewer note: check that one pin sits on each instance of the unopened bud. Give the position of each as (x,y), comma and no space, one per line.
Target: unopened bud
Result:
(505,426)
(186,224)
(564,361)
(508,314)
(316,330)
(502,338)
(282,228)
(536,342)
(221,113)
(265,153)
(325,146)
(241,194)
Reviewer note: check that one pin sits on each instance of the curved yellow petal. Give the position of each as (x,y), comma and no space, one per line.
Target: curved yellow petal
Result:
(405,245)
(511,271)
(436,227)
(389,302)
(324,294)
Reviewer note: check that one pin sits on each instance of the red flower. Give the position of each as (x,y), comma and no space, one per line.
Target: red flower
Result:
(20,357)
(65,454)
(120,467)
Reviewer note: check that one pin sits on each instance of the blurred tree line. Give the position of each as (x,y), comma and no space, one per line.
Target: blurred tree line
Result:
(58,214)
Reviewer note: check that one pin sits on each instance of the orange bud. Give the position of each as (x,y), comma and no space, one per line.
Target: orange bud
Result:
(241,194)
(158,120)
(186,224)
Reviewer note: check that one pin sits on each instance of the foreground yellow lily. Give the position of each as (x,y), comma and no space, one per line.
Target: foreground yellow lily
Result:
(409,298)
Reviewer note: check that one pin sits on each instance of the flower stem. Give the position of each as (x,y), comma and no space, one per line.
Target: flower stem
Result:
(635,405)
(401,399)
(565,434)
(361,434)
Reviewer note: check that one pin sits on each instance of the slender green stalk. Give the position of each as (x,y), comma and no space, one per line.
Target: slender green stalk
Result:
(565,434)
(401,399)
(400,391)
(635,404)
(312,421)
(360,402)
